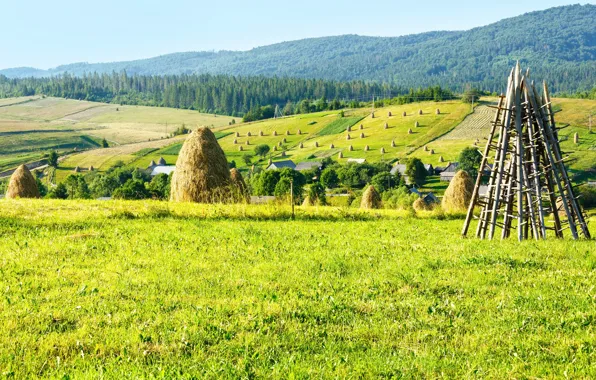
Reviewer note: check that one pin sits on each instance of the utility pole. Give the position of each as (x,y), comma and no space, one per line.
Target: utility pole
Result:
(292,197)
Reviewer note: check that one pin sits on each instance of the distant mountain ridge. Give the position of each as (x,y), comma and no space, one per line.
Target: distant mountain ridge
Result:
(558,44)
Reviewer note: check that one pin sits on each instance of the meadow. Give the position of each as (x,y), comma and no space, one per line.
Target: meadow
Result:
(159,290)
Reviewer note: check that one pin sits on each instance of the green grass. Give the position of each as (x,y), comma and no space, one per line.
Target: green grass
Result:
(147,289)
(339,126)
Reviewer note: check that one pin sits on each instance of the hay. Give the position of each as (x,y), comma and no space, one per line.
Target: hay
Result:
(275,148)
(372,115)
(441,159)
(348,137)
(274,133)
(349,129)
(261,133)
(316,144)
(301,146)
(77,169)
(366,148)
(438,111)
(459,193)
(202,173)
(420,205)
(382,150)
(284,140)
(235,141)
(351,148)
(299,132)
(419,112)
(362,135)
(91,168)
(393,143)
(22,184)
(247,142)
(416,124)
(389,114)
(283,154)
(287,133)
(404,114)
(240,148)
(370,199)
(280,143)
(386,125)
(410,131)
(432,151)
(331,146)
(237,134)
(576,138)
(307,202)
(239,189)
(361,126)
(340,155)
(426,148)
(248,134)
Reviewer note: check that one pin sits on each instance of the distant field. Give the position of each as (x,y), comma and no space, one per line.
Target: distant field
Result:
(61,124)
(158,290)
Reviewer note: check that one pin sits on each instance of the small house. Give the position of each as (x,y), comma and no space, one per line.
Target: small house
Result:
(449,172)
(281,164)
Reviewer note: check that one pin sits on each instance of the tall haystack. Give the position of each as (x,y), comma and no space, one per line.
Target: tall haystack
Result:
(348,137)
(441,159)
(301,145)
(274,133)
(370,199)
(438,111)
(287,133)
(240,149)
(426,148)
(77,169)
(235,141)
(421,205)
(404,114)
(239,188)
(419,112)
(340,155)
(275,148)
(432,151)
(382,150)
(576,138)
(91,168)
(410,131)
(416,124)
(202,173)
(237,134)
(393,143)
(299,132)
(366,148)
(247,142)
(351,148)
(361,126)
(261,133)
(386,125)
(316,144)
(389,114)
(22,184)
(362,135)
(248,134)
(331,146)
(372,115)
(458,194)
(349,129)
(284,140)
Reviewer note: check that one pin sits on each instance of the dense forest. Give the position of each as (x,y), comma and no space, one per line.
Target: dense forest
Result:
(220,94)
(558,44)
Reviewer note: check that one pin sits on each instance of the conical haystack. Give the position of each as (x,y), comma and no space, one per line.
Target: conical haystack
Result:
(419,112)
(366,148)
(239,189)
(202,173)
(386,125)
(382,150)
(438,111)
(22,184)
(421,205)
(458,194)
(274,133)
(316,144)
(301,146)
(416,124)
(361,126)
(349,129)
(370,199)
(331,146)
(362,135)
(340,155)
(393,143)
(404,114)
(389,114)
(307,202)
(248,134)
(348,137)
(351,148)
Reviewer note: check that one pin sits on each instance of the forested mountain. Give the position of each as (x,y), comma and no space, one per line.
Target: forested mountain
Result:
(559,44)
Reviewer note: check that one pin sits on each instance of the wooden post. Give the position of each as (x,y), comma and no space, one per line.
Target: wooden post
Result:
(292,197)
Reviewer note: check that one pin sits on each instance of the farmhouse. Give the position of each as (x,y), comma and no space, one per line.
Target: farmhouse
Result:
(163,170)
(281,164)
(449,172)
(308,166)
(401,169)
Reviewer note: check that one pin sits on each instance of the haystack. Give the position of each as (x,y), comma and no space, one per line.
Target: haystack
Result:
(458,194)
(410,131)
(331,146)
(421,205)
(283,154)
(386,125)
(348,137)
(287,133)
(370,199)
(237,134)
(299,132)
(240,190)
(301,146)
(275,148)
(349,129)
(441,159)
(382,150)
(351,148)
(404,114)
(261,133)
(91,168)
(316,144)
(366,148)
(340,155)
(362,135)
(202,173)
(77,169)
(247,142)
(432,151)
(361,126)
(22,184)
(284,140)
(372,115)
(426,148)
(419,112)
(280,143)
(576,138)
(274,133)
(248,134)
(235,141)
(438,111)
(393,143)
(416,124)
(389,114)
(307,202)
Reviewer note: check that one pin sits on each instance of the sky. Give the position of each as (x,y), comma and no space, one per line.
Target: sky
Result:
(45,34)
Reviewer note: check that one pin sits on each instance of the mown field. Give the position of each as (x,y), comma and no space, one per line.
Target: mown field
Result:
(32,126)
(149,289)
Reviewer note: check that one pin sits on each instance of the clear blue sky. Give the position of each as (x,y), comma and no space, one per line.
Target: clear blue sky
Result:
(47,33)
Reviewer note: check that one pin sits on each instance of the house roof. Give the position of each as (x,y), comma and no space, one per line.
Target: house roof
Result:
(452,167)
(162,170)
(430,197)
(282,164)
(357,160)
(307,165)
(401,168)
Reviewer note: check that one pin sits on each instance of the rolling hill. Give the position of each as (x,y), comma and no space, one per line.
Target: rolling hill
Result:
(558,43)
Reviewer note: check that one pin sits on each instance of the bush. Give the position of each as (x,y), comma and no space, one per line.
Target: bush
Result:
(400,198)
(587,197)
(329,178)
(132,189)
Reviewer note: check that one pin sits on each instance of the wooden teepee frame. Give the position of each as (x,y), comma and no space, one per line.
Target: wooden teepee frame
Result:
(528,180)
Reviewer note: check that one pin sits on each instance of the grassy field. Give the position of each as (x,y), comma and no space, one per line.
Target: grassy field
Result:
(148,289)
(31,126)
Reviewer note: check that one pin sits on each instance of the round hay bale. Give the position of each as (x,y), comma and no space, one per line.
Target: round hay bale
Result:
(416,124)
(361,126)
(393,143)
(248,134)
(389,114)
(316,144)
(301,146)
(348,137)
(419,112)
(441,159)
(410,131)
(22,184)
(362,135)
(438,111)
(404,114)
(420,205)
(366,148)
(202,173)
(386,125)
(239,188)
(370,199)
(458,194)
(576,138)
(382,150)
(77,169)
(340,155)
(331,146)
(351,148)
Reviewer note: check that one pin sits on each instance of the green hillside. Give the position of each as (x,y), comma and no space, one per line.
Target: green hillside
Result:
(559,44)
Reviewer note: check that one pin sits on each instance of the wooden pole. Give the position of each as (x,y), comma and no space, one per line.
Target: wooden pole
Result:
(292,197)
